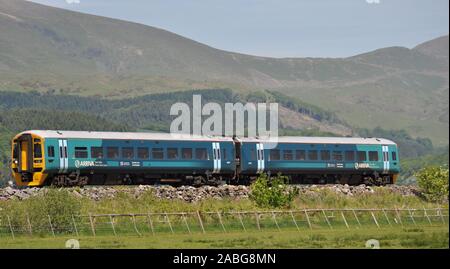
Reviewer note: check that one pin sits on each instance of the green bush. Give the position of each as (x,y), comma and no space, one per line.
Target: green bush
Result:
(433,181)
(272,192)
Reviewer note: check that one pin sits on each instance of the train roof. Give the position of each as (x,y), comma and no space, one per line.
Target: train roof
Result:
(323,140)
(123,135)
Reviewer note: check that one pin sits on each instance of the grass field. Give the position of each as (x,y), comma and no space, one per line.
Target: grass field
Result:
(397,237)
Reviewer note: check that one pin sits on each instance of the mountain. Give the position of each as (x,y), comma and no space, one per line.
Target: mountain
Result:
(58,51)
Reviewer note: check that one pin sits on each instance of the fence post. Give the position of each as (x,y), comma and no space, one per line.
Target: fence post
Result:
(386,216)
(74,225)
(293,219)
(111,219)
(307,219)
(200,221)
(411,216)
(92,224)
(135,226)
(220,219)
(345,220)
(10,227)
(185,222)
(426,215)
(374,219)
(150,223)
(275,220)
(51,226)
(442,215)
(398,216)
(356,217)
(30,230)
(242,223)
(326,219)
(257,221)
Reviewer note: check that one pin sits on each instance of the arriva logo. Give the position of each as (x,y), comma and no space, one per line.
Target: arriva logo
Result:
(79,163)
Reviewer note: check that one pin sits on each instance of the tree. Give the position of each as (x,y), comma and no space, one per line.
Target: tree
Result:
(433,181)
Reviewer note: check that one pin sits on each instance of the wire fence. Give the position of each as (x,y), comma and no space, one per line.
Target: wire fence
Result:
(151,223)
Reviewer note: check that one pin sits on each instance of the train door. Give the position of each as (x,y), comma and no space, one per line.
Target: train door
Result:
(217,158)
(260,158)
(386,164)
(63,156)
(25,161)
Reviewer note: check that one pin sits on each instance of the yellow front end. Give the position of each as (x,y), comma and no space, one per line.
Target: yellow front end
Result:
(28,160)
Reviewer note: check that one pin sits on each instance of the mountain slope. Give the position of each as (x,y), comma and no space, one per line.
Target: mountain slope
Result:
(53,50)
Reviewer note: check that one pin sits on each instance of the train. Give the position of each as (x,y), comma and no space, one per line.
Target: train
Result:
(78,158)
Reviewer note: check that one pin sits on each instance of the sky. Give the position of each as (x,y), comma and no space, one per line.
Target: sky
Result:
(283,28)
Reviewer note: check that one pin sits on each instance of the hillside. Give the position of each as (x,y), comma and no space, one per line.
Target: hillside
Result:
(58,51)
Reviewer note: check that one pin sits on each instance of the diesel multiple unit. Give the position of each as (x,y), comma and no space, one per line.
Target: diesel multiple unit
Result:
(68,158)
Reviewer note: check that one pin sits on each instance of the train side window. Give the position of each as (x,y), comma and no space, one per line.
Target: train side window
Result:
(223,152)
(201,154)
(172,153)
(288,155)
(143,153)
(312,155)
(349,155)
(51,151)
(275,154)
(300,155)
(186,153)
(252,154)
(97,152)
(112,152)
(157,153)
(394,156)
(37,151)
(81,152)
(337,155)
(128,153)
(325,155)
(373,155)
(361,155)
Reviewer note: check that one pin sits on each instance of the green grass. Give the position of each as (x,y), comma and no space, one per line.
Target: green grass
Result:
(425,237)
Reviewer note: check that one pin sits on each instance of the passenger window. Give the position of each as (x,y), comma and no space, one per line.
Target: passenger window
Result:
(361,156)
(81,152)
(394,156)
(274,154)
(97,152)
(186,153)
(128,153)
(37,151)
(312,155)
(373,155)
(157,153)
(337,155)
(300,155)
(172,153)
(224,154)
(112,152)
(288,155)
(51,151)
(201,154)
(252,154)
(143,153)
(349,155)
(325,155)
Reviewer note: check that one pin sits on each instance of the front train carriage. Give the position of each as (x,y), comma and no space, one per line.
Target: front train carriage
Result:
(68,158)
(318,160)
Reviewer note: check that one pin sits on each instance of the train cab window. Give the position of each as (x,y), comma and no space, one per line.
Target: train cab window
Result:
(361,155)
(312,155)
(300,155)
(157,153)
(112,152)
(373,156)
(394,156)
(274,154)
(288,155)
(81,152)
(337,155)
(201,154)
(15,151)
(97,152)
(349,155)
(172,153)
(128,153)
(186,153)
(143,153)
(325,155)
(37,151)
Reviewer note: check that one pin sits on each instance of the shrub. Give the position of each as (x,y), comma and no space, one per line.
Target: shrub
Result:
(272,192)
(434,183)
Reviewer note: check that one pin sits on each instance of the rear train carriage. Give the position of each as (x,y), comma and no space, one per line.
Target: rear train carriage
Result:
(322,159)
(67,158)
